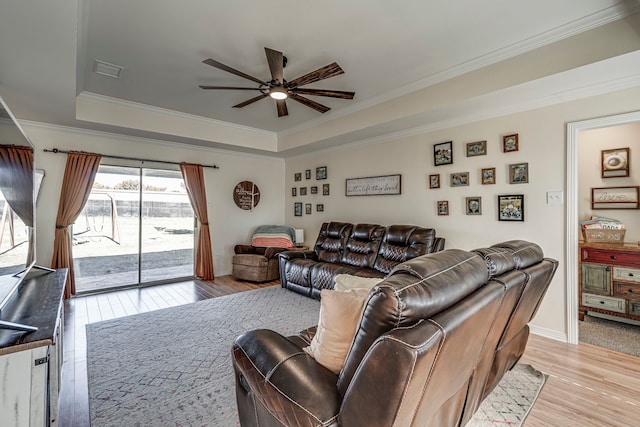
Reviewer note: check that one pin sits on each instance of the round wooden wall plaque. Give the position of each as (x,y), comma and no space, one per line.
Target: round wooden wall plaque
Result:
(246,195)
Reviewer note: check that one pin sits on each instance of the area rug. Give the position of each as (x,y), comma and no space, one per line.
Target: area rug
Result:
(616,336)
(173,366)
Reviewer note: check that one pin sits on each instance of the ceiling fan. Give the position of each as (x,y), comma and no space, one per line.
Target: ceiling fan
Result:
(280,89)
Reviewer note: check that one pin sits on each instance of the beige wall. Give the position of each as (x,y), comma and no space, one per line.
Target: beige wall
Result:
(590,145)
(542,135)
(229,224)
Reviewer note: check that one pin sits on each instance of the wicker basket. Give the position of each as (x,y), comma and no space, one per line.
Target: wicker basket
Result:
(598,235)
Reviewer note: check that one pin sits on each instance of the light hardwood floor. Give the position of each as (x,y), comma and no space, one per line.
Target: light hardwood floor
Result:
(587,385)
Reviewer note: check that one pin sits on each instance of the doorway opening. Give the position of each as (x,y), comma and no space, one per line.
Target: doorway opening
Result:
(572,212)
(136,229)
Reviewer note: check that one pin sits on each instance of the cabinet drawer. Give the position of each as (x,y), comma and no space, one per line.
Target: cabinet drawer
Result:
(627,274)
(607,256)
(629,291)
(634,308)
(596,278)
(605,303)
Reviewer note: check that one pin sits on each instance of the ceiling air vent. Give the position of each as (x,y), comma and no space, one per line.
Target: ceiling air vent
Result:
(106,69)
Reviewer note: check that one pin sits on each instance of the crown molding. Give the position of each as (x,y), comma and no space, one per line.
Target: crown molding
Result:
(158,110)
(139,139)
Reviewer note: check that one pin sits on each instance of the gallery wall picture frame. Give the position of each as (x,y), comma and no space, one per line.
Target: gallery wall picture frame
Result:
(478,148)
(615,163)
(325,189)
(303,191)
(443,207)
(488,176)
(459,179)
(510,143)
(321,173)
(443,153)
(307,208)
(319,207)
(297,176)
(519,173)
(615,197)
(511,207)
(297,209)
(473,205)
(314,189)
(434,180)
(307,174)
(294,192)
(374,185)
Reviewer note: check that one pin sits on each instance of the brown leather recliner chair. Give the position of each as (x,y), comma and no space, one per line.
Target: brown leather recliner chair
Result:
(433,338)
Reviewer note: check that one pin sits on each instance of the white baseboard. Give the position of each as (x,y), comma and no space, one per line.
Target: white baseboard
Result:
(549,333)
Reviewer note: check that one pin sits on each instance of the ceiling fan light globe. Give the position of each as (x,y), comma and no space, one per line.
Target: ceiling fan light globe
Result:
(277,93)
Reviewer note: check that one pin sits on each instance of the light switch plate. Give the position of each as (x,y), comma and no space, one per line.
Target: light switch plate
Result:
(555,197)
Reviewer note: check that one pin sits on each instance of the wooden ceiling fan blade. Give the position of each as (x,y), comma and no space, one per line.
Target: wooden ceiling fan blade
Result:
(250,101)
(229,87)
(276,64)
(309,103)
(281,105)
(228,69)
(325,72)
(324,92)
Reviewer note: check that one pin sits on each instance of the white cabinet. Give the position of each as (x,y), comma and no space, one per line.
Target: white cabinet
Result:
(30,363)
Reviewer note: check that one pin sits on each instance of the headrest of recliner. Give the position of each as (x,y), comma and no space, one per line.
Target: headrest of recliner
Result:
(336,230)
(498,260)
(524,253)
(364,231)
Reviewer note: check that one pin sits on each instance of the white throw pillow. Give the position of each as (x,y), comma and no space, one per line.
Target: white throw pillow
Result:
(337,323)
(347,281)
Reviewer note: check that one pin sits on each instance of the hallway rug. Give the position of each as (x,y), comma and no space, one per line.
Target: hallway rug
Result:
(173,366)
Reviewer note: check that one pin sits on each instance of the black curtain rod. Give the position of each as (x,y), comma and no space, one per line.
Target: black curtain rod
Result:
(56,151)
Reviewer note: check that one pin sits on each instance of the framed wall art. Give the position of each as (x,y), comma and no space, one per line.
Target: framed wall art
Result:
(307,208)
(307,174)
(297,209)
(325,189)
(374,185)
(473,205)
(443,153)
(434,180)
(320,207)
(314,189)
(294,192)
(519,173)
(510,143)
(615,198)
(615,163)
(511,207)
(321,173)
(478,148)
(303,191)
(443,207)
(297,176)
(488,176)
(459,179)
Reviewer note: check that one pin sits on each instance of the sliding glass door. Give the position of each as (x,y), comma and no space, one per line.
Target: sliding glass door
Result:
(137,228)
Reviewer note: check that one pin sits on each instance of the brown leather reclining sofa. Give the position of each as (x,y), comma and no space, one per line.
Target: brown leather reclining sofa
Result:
(367,250)
(434,339)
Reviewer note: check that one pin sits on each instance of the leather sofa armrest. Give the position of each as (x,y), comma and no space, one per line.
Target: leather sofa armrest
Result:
(273,251)
(289,254)
(287,382)
(438,244)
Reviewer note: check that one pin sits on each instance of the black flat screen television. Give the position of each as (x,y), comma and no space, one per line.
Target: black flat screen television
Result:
(17,206)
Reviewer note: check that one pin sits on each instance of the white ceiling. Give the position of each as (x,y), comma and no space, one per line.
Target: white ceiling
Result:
(387,49)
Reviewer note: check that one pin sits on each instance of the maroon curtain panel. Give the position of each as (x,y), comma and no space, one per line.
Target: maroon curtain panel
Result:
(79,175)
(16,180)
(193,176)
